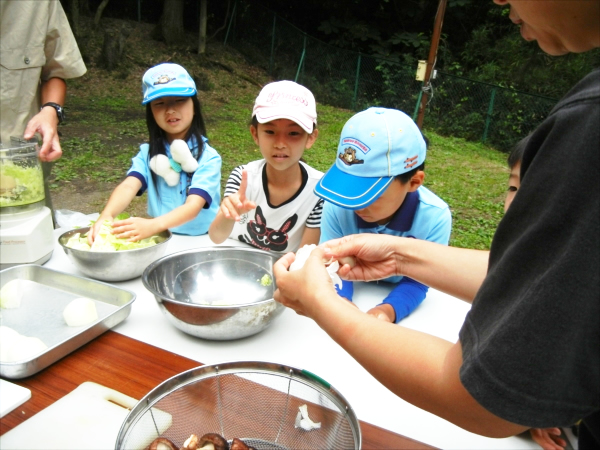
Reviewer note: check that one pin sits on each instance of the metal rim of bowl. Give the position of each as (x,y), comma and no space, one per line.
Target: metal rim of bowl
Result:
(232,367)
(64,237)
(152,266)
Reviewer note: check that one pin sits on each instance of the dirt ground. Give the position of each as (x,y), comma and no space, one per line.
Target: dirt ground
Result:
(89,197)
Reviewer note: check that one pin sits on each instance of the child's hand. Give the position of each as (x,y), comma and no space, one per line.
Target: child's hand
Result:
(383,312)
(548,438)
(93,232)
(135,228)
(233,206)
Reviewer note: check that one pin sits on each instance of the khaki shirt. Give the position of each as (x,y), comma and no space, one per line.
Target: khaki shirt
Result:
(36,44)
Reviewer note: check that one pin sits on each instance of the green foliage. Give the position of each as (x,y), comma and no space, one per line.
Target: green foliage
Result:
(93,158)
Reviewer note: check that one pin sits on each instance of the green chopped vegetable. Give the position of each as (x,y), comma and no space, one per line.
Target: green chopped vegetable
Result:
(107,242)
(266,280)
(29,184)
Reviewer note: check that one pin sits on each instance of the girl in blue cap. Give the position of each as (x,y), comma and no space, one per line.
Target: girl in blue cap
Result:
(177,167)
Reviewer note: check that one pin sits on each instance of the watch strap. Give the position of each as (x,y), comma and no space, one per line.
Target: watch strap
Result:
(59,110)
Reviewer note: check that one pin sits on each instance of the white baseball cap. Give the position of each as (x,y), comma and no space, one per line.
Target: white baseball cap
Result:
(286,100)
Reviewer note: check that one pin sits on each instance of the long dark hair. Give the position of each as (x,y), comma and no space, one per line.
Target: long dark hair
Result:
(158,136)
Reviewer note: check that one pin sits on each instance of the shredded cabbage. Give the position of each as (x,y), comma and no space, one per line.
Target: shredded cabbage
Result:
(107,242)
(29,184)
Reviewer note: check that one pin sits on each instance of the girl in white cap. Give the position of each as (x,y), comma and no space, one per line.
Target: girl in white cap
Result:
(270,203)
(178,169)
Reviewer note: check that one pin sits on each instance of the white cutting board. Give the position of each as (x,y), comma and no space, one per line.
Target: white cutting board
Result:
(89,417)
(11,396)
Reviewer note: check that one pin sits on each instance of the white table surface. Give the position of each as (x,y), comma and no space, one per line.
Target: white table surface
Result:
(297,341)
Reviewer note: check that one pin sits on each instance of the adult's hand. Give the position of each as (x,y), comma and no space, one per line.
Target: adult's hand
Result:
(305,290)
(46,123)
(374,256)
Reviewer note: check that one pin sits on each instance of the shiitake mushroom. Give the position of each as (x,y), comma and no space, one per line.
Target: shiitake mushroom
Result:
(238,444)
(212,441)
(162,443)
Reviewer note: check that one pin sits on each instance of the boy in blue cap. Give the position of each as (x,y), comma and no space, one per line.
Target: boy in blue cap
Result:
(376,186)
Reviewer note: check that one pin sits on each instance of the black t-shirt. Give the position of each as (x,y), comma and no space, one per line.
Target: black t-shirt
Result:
(531,342)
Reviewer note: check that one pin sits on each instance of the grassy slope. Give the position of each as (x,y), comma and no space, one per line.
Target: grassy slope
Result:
(106,124)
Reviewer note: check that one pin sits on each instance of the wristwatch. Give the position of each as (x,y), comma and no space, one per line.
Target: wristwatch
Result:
(59,110)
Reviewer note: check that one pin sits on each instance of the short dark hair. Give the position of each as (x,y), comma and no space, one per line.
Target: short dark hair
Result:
(406,176)
(254,123)
(516,154)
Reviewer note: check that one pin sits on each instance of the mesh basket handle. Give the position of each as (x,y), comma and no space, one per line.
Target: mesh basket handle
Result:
(316,378)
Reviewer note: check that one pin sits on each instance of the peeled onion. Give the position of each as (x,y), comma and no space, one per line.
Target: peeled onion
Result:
(11,294)
(16,347)
(80,311)
(8,337)
(26,347)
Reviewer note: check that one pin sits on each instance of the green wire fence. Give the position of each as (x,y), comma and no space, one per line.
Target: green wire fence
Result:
(456,105)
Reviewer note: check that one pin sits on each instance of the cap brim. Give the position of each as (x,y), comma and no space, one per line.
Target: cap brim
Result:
(267,114)
(350,191)
(169,92)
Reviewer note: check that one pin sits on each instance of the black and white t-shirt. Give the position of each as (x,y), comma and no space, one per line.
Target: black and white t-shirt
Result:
(275,228)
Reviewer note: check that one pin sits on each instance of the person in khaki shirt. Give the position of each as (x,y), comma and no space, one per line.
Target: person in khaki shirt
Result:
(37,53)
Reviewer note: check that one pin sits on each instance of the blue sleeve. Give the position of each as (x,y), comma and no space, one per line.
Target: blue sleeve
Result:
(347,289)
(440,233)
(331,227)
(140,167)
(405,297)
(207,177)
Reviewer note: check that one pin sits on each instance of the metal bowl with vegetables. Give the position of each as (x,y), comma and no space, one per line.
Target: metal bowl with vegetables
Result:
(110,258)
(216,293)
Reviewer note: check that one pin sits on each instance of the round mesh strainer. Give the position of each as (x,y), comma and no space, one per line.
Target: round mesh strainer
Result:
(257,402)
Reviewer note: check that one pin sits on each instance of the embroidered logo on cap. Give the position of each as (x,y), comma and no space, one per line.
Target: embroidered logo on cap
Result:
(410,162)
(164,79)
(349,157)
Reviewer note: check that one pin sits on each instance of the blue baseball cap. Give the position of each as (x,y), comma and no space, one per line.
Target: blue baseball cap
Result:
(375,146)
(167,79)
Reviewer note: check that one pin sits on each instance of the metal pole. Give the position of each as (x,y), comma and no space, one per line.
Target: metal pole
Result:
(301,60)
(230,22)
(435,39)
(139,10)
(488,119)
(272,45)
(414,117)
(356,83)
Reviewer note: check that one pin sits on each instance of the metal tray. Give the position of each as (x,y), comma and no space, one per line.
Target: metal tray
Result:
(46,293)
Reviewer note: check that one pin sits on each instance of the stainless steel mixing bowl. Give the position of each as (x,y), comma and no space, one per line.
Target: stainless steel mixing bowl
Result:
(217,293)
(113,266)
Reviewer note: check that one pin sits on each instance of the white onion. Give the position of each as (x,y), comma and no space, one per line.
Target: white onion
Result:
(8,337)
(302,256)
(16,347)
(80,311)
(26,347)
(11,294)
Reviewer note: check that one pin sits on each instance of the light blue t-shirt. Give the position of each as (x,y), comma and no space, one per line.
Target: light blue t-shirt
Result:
(422,215)
(162,198)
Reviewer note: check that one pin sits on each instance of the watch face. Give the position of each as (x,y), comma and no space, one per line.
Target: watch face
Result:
(58,108)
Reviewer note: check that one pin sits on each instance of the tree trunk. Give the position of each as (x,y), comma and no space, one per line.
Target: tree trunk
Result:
(113,46)
(171,22)
(84,8)
(99,12)
(202,41)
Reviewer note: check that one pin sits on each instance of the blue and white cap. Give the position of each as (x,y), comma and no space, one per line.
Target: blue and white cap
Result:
(167,79)
(375,146)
